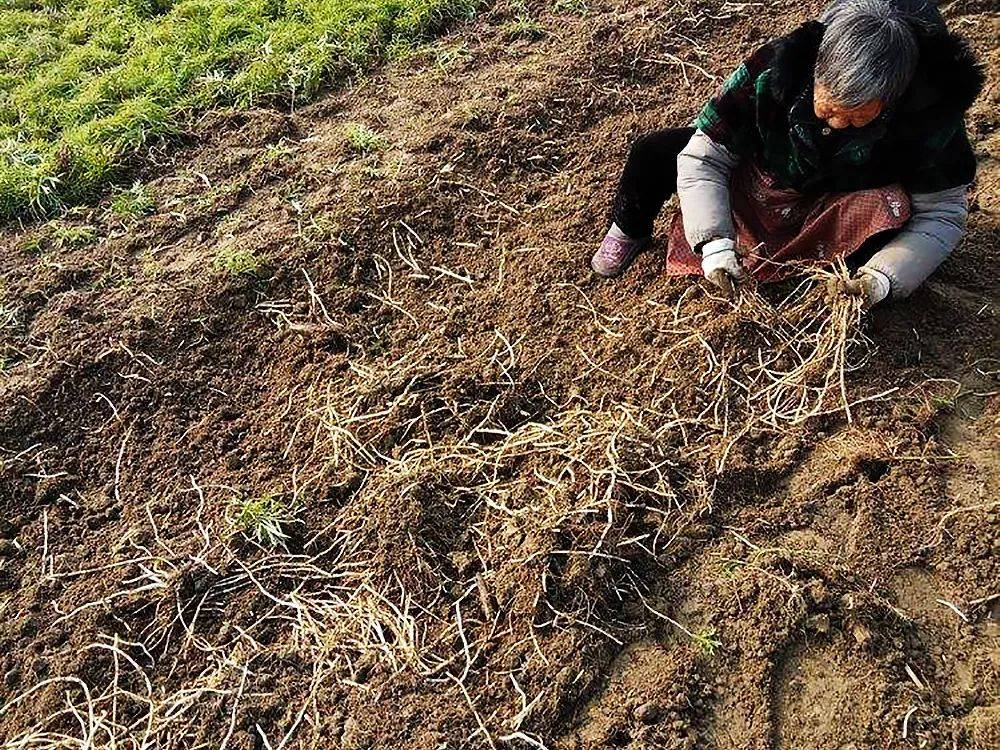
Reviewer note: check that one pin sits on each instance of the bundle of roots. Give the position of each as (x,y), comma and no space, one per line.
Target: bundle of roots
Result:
(807,344)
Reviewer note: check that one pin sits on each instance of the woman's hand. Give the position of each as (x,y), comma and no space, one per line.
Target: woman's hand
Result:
(872,286)
(720,264)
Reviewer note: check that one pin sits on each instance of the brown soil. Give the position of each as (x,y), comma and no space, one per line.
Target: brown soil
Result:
(503,474)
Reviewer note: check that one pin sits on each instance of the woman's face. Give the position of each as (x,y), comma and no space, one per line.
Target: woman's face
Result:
(839,117)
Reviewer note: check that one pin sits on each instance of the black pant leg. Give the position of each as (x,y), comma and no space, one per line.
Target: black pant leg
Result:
(648,180)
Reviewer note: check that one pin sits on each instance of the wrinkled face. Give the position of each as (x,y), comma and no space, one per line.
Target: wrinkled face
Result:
(839,117)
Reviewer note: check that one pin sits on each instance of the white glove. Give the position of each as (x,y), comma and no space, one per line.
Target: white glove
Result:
(870,285)
(720,264)
(876,286)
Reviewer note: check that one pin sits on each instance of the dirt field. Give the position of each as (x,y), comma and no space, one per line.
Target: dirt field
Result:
(526,508)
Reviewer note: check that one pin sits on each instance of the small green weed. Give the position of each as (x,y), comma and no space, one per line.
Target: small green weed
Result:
(149,267)
(524,27)
(279,150)
(944,403)
(706,641)
(363,139)
(448,57)
(133,203)
(730,568)
(34,244)
(72,235)
(113,279)
(239,261)
(571,6)
(265,520)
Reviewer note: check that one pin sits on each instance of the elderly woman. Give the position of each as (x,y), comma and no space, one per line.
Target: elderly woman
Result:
(844,139)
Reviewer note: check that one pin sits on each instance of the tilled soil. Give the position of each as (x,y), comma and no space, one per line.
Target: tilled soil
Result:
(517,514)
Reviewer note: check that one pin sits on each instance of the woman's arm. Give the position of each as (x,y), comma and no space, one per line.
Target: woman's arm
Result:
(934,230)
(703,169)
(726,131)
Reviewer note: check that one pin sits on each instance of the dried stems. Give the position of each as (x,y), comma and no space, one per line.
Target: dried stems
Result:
(561,513)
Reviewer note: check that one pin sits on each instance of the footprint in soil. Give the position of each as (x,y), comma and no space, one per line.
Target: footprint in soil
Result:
(649,700)
(948,641)
(826,696)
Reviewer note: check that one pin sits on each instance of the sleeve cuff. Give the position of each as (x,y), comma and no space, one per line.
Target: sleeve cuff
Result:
(701,237)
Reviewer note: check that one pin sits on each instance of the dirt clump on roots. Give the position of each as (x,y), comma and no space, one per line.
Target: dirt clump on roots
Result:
(342,445)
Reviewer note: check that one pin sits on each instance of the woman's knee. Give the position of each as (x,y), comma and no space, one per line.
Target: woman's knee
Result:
(660,145)
(643,146)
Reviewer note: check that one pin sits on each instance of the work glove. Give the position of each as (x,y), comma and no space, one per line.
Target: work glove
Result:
(720,264)
(870,285)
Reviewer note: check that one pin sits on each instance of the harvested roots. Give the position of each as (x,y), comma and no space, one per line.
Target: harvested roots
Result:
(813,341)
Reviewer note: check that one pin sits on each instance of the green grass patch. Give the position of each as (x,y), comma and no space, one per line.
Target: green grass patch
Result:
(524,27)
(363,139)
(72,235)
(133,203)
(86,85)
(239,261)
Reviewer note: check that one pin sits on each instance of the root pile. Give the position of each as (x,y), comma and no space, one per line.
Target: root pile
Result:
(471,535)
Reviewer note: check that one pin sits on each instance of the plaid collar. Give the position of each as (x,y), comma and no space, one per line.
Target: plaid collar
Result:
(809,132)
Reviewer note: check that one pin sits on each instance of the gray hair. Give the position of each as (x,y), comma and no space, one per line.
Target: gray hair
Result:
(869,51)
